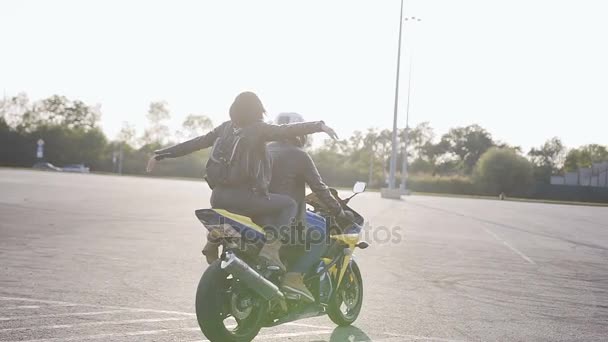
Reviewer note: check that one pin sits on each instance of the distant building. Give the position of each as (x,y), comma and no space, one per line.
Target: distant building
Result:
(596,176)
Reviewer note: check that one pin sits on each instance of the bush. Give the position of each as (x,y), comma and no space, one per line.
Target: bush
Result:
(502,170)
(445,185)
(337,170)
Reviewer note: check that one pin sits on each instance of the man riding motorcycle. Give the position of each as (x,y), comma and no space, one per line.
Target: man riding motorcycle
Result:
(292,170)
(239,168)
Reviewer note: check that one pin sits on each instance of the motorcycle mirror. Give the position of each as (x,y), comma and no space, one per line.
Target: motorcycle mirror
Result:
(359,187)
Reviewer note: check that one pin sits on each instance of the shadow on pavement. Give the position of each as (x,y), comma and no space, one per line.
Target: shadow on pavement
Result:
(347,334)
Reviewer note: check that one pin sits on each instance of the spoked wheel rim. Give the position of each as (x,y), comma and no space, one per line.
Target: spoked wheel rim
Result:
(242,311)
(350,296)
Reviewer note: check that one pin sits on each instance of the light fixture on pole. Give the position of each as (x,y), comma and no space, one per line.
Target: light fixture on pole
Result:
(404,165)
(392,191)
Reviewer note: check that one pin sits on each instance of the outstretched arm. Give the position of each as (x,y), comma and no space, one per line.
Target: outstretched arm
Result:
(193,145)
(185,148)
(271,132)
(315,183)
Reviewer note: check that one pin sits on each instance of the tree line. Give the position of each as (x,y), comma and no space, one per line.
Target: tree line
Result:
(465,159)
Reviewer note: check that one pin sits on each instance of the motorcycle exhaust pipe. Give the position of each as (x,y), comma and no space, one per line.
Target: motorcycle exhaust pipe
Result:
(239,269)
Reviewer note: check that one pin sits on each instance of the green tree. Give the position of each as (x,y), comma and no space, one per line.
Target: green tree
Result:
(548,158)
(195,126)
(585,156)
(370,142)
(127,134)
(436,155)
(13,108)
(502,170)
(57,111)
(417,138)
(468,144)
(158,131)
(421,166)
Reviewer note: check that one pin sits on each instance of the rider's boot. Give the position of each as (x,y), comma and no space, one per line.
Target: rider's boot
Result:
(211,251)
(270,252)
(294,282)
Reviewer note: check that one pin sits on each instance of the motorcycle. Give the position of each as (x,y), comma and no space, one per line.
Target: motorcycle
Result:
(238,295)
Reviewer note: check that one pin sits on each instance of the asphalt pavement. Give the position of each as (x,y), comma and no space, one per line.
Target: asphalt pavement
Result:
(88,257)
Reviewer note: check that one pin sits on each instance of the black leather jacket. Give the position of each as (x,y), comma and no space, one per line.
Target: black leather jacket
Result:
(292,170)
(253,155)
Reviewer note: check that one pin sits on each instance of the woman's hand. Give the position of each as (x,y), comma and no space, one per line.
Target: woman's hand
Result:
(151,164)
(330,131)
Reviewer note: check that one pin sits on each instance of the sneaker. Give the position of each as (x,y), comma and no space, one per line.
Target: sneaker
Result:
(270,254)
(294,282)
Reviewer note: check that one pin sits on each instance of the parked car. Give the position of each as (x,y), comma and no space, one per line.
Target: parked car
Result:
(44,166)
(80,168)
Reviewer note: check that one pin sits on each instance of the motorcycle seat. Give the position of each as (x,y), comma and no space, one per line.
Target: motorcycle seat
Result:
(229,223)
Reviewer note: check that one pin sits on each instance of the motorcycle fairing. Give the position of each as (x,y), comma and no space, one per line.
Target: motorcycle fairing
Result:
(350,238)
(213,219)
(315,220)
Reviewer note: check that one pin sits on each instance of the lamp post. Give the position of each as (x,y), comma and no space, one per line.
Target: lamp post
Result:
(406,133)
(404,165)
(392,192)
(393,164)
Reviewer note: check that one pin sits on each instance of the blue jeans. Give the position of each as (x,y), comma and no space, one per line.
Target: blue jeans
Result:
(315,246)
(273,211)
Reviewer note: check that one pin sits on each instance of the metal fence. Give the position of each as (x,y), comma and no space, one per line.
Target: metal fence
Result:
(594,176)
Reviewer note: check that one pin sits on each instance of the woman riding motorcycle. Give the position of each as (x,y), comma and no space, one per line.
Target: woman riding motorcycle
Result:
(249,195)
(292,170)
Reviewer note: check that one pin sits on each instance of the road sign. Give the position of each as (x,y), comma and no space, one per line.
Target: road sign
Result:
(40,149)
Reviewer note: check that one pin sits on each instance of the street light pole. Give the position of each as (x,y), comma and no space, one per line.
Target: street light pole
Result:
(407,132)
(393,165)
(404,165)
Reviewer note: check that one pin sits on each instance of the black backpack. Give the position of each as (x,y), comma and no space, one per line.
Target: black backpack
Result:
(222,167)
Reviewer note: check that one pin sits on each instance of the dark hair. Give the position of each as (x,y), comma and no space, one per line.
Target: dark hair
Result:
(246,109)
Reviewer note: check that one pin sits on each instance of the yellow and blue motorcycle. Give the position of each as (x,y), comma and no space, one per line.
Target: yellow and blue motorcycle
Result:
(238,295)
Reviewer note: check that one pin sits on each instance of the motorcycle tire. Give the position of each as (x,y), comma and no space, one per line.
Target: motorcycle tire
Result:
(334,310)
(209,308)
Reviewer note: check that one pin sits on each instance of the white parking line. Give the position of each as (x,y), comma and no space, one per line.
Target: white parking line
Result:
(17,307)
(295,334)
(307,325)
(96,306)
(21,299)
(12,318)
(109,335)
(265,337)
(93,324)
(165,331)
(421,338)
(20,307)
(515,250)
(320,330)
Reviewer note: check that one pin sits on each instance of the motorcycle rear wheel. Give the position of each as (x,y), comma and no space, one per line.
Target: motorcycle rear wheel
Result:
(214,298)
(345,305)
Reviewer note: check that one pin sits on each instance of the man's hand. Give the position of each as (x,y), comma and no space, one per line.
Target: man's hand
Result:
(151,164)
(332,134)
(347,215)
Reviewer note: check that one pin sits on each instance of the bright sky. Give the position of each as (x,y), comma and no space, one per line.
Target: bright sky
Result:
(526,70)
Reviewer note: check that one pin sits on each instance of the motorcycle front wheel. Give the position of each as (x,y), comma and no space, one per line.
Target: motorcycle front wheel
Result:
(345,304)
(227,311)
